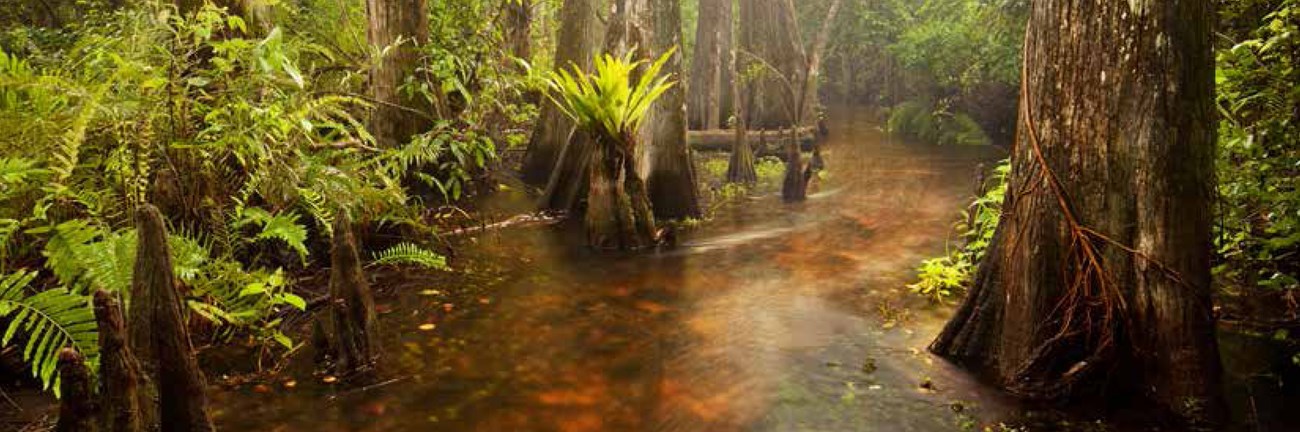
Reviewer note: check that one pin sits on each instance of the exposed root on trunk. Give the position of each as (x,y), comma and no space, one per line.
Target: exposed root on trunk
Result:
(1092,314)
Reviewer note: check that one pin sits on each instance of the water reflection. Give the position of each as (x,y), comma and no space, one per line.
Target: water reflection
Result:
(772,317)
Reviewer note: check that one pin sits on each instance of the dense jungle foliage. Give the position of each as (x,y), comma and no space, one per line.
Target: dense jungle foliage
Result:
(251,126)
(250,137)
(947,70)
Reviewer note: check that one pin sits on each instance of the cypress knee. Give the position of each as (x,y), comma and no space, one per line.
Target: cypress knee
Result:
(353,307)
(180,383)
(119,371)
(77,409)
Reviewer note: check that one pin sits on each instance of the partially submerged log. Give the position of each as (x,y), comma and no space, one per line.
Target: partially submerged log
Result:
(765,143)
(353,307)
(180,384)
(119,371)
(77,407)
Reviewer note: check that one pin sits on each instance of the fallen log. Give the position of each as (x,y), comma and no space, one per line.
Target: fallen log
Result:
(766,143)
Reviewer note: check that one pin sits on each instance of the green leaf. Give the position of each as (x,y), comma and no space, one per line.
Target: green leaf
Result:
(51,320)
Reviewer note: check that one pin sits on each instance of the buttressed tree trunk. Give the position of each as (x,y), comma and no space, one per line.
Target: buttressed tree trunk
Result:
(618,209)
(710,82)
(619,214)
(353,306)
(798,175)
(740,168)
(569,178)
(671,176)
(1098,277)
(182,401)
(770,35)
(397,117)
(580,35)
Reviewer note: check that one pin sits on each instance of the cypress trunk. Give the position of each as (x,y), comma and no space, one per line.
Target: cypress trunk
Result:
(517,30)
(769,34)
(740,168)
(1098,277)
(580,32)
(397,117)
(803,100)
(618,210)
(671,177)
(711,76)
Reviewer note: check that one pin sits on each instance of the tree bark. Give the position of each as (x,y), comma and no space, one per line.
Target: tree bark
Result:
(711,75)
(353,308)
(580,32)
(797,175)
(806,104)
(1098,277)
(740,168)
(180,383)
(397,117)
(119,371)
(618,210)
(570,177)
(671,170)
(77,406)
(518,28)
(619,214)
(769,35)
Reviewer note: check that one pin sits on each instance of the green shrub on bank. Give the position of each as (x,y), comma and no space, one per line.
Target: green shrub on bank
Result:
(943,277)
(922,122)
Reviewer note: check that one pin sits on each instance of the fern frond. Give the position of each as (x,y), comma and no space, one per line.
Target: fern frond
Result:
(67,155)
(84,258)
(17,170)
(282,226)
(411,254)
(49,320)
(318,207)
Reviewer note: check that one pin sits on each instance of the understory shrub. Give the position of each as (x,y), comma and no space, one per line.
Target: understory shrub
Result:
(923,122)
(947,276)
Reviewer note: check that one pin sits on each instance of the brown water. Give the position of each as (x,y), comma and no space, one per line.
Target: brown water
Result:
(762,320)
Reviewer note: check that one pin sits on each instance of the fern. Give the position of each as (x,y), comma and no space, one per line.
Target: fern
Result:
(409,253)
(17,171)
(84,258)
(283,227)
(243,301)
(50,320)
